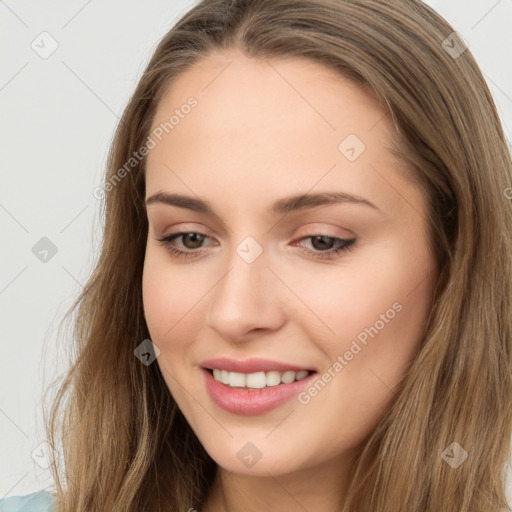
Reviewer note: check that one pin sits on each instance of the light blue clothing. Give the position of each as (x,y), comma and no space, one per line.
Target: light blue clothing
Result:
(40,501)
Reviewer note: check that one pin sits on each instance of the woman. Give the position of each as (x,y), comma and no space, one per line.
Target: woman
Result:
(303,299)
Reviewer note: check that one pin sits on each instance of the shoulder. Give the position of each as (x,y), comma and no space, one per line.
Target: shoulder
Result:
(40,501)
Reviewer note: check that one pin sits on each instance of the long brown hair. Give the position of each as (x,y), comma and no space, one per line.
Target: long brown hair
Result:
(127,447)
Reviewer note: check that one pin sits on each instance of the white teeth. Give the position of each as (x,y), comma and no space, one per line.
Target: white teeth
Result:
(236,379)
(288,377)
(257,380)
(302,374)
(273,378)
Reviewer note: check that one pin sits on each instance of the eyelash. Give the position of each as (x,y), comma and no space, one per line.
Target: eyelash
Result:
(330,254)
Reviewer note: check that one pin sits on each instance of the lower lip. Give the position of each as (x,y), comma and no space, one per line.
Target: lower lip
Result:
(250,402)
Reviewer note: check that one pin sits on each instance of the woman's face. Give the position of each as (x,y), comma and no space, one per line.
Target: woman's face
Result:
(259,277)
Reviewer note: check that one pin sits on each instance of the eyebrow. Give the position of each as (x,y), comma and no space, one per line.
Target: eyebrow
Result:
(280,207)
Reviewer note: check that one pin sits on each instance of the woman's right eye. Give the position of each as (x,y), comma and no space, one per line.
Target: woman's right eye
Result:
(196,240)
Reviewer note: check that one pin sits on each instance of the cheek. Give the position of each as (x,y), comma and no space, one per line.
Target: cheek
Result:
(172,309)
(172,301)
(366,291)
(376,314)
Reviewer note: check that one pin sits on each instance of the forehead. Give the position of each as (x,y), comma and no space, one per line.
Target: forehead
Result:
(224,81)
(264,124)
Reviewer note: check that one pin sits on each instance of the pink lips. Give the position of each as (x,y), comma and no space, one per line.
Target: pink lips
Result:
(250,402)
(250,365)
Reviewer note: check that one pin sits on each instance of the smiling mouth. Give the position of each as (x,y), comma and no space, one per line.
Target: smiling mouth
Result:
(257,380)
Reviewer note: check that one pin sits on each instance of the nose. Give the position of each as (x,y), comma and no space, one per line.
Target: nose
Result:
(249,297)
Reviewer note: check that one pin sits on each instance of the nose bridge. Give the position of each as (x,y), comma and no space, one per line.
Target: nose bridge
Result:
(245,297)
(247,271)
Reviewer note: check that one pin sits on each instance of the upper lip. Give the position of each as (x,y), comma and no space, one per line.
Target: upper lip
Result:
(250,365)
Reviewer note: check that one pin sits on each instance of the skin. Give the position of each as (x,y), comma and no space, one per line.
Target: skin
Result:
(263,130)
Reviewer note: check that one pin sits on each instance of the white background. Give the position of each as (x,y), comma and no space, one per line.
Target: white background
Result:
(57,119)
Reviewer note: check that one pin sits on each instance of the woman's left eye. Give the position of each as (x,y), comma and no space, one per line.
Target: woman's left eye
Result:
(342,243)
(197,239)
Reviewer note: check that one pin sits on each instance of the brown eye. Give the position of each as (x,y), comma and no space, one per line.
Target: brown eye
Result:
(191,240)
(322,242)
(326,247)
